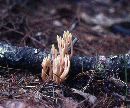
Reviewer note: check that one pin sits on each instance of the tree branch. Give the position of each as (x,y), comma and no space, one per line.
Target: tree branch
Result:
(31,59)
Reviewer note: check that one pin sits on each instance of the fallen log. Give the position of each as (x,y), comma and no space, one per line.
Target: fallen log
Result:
(31,58)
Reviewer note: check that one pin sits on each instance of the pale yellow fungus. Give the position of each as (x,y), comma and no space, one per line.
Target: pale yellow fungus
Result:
(57,67)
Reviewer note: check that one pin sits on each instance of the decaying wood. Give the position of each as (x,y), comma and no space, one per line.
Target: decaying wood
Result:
(31,59)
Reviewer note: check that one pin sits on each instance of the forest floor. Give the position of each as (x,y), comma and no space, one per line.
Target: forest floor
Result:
(102,28)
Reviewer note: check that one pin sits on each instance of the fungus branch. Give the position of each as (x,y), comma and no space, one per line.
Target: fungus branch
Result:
(57,66)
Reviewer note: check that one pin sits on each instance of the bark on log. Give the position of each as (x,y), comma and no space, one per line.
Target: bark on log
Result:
(31,59)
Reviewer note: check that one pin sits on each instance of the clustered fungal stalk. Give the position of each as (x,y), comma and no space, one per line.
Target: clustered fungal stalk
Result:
(56,66)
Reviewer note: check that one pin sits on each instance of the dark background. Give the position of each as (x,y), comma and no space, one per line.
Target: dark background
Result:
(37,22)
